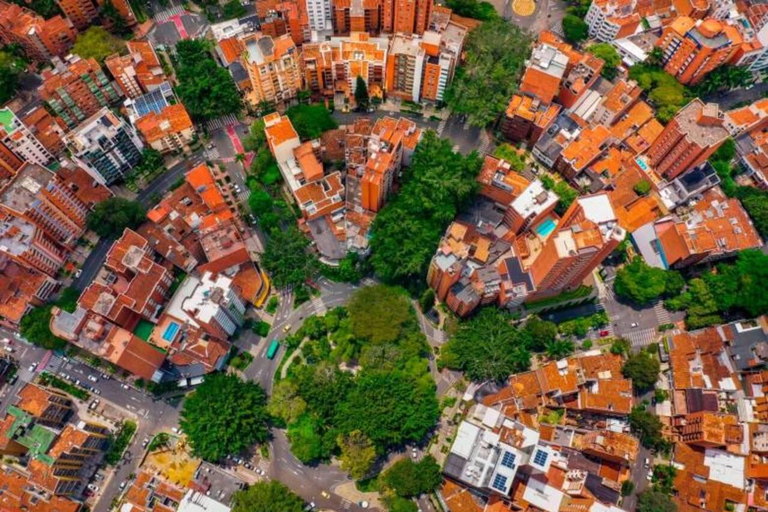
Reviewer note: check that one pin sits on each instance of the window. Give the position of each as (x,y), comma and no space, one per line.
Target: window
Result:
(508,460)
(540,458)
(500,483)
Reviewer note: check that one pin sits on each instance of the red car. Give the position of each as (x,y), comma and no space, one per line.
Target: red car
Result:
(603,334)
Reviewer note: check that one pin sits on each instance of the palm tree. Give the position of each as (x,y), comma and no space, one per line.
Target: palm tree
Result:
(240,158)
(558,349)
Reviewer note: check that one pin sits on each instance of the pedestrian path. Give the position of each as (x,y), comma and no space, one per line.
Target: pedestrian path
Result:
(221,122)
(642,338)
(167,14)
(441,127)
(661,313)
(54,364)
(212,154)
(485,143)
(244,195)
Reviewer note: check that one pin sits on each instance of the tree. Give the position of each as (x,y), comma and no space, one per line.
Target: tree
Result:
(407,230)
(311,121)
(389,408)
(260,201)
(496,52)
(487,347)
(97,43)
(655,501)
(627,487)
(10,68)
(559,349)
(409,479)
(286,402)
(723,77)
(308,442)
(575,29)
(664,478)
(540,332)
(647,426)
(111,217)
(233,9)
(663,89)
(643,368)
(609,55)
(378,313)
(269,496)
(45,8)
(641,283)
(621,347)
(224,416)
(206,89)
(109,12)
(357,454)
(427,300)
(287,258)
(361,94)
(479,10)
(755,201)
(35,327)
(642,187)
(511,155)
(398,504)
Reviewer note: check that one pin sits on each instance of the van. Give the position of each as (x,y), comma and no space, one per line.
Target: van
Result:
(647,463)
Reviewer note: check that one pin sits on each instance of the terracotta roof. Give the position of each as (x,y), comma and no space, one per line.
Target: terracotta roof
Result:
(172,120)
(15,495)
(34,399)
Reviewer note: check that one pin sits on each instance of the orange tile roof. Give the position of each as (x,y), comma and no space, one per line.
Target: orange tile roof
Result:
(16,495)
(621,95)
(201,179)
(310,165)
(231,48)
(540,84)
(34,399)
(583,150)
(279,132)
(172,120)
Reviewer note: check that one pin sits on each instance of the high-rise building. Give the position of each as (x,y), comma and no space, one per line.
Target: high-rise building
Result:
(319,13)
(357,16)
(692,48)
(273,66)
(17,137)
(105,146)
(689,139)
(586,234)
(41,39)
(76,89)
(85,13)
(45,128)
(405,67)
(167,131)
(9,162)
(612,19)
(139,71)
(28,245)
(407,16)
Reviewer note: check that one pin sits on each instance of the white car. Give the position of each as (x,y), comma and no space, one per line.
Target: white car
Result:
(78,273)
(126,386)
(633,324)
(92,378)
(32,367)
(93,487)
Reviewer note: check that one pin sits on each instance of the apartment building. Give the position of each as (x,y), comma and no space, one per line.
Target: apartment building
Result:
(273,66)
(50,408)
(18,493)
(169,131)
(689,139)
(76,89)
(23,288)
(407,16)
(544,73)
(692,48)
(139,71)
(579,153)
(105,146)
(613,19)
(28,245)
(15,136)
(443,53)
(587,233)
(9,162)
(45,128)
(131,286)
(85,13)
(405,67)
(357,16)
(527,118)
(622,96)
(41,39)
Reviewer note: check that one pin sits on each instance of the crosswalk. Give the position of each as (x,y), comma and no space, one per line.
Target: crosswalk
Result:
(244,195)
(318,306)
(221,122)
(485,143)
(212,154)
(166,14)
(643,338)
(346,504)
(441,127)
(661,313)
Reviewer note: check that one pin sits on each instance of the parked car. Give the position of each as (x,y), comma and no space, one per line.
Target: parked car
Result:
(32,367)
(94,404)
(122,485)
(126,386)
(92,378)
(78,273)
(604,333)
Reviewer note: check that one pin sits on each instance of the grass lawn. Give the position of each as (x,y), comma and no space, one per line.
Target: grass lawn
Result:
(144,330)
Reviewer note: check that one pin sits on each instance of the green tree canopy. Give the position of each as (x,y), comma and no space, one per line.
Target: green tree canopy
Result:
(357,454)
(287,257)
(206,89)
(575,29)
(487,347)
(378,313)
(540,332)
(224,416)
(479,10)
(611,57)
(310,442)
(755,201)
(643,368)
(647,426)
(45,8)
(110,218)
(496,52)
(666,93)
(286,402)
(409,479)
(35,327)
(97,43)
(270,496)
(641,283)
(361,94)
(407,230)
(311,121)
(655,501)
(10,68)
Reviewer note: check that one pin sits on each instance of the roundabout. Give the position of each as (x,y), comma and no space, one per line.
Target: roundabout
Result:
(523,7)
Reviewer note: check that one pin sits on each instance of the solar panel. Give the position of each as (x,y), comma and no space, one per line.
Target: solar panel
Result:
(154,101)
(540,458)
(500,482)
(508,460)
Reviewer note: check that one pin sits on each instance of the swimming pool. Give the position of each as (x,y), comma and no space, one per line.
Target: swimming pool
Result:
(546,227)
(170,331)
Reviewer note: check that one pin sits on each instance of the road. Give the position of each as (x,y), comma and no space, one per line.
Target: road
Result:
(152,415)
(729,99)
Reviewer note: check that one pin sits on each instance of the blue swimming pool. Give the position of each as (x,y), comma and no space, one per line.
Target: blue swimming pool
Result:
(546,227)
(170,331)
(641,163)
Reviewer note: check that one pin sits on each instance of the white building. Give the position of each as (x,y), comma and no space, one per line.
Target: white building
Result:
(319,12)
(17,137)
(612,19)
(195,501)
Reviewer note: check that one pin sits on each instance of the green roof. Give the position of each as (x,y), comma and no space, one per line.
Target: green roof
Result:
(6,119)
(36,438)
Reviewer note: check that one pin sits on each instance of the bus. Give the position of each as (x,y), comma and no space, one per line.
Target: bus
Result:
(273,349)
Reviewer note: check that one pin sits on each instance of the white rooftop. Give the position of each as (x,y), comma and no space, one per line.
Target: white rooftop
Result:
(534,199)
(542,496)
(465,439)
(725,467)
(198,502)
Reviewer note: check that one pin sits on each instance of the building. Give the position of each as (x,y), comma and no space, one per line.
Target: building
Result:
(41,39)
(443,53)
(405,67)
(319,13)
(587,233)
(45,128)
(613,19)
(139,71)
(357,16)
(580,79)
(544,73)
(23,242)
(692,48)
(688,140)
(407,16)
(273,66)
(715,228)
(23,287)
(131,286)
(622,96)
(49,407)
(526,118)
(76,89)
(85,13)
(579,153)
(15,136)
(105,146)
(169,131)
(10,163)
(18,494)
